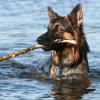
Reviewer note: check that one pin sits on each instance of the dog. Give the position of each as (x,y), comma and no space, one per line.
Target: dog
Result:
(66,41)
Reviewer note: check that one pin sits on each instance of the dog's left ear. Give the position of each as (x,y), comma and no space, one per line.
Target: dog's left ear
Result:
(52,15)
(77,14)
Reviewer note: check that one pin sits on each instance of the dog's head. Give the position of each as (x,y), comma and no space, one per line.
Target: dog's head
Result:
(62,28)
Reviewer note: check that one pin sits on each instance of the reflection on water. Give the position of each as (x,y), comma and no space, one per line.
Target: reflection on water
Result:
(71,89)
(59,89)
(21,22)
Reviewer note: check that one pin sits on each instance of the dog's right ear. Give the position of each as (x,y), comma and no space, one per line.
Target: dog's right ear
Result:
(52,15)
(77,13)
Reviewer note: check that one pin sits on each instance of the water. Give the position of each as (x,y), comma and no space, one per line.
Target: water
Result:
(21,22)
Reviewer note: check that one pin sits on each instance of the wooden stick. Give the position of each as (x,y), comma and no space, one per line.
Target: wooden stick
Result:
(23,51)
(65,41)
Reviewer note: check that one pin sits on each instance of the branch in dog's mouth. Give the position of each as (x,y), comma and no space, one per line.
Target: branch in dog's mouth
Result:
(58,42)
(65,41)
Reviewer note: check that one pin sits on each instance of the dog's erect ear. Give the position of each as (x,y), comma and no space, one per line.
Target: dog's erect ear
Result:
(52,15)
(77,13)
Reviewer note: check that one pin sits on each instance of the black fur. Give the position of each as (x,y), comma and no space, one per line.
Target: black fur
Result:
(70,58)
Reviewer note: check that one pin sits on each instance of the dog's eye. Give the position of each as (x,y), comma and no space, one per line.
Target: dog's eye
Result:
(59,30)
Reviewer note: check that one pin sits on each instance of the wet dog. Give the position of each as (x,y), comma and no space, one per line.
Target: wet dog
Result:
(66,40)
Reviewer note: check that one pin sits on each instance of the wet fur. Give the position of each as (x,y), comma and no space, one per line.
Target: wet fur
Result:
(70,58)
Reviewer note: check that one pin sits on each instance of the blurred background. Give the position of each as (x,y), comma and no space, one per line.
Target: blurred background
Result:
(21,22)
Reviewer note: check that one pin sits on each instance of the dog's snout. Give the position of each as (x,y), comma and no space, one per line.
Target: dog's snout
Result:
(38,39)
(42,39)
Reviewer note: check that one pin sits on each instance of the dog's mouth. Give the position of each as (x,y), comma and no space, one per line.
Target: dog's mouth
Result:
(54,44)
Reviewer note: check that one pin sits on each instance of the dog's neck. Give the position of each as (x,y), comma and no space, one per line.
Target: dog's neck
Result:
(67,57)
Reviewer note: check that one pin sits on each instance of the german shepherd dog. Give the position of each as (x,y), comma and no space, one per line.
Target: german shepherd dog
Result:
(66,41)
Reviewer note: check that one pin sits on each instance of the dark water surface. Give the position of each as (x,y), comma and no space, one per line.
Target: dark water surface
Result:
(21,22)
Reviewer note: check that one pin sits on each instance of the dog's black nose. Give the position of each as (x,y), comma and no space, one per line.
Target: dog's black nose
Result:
(38,39)
(41,40)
